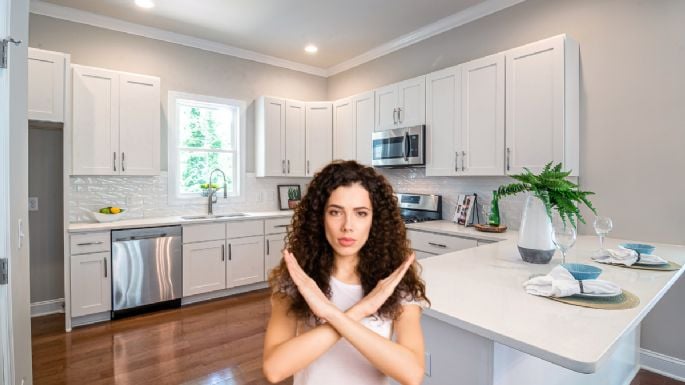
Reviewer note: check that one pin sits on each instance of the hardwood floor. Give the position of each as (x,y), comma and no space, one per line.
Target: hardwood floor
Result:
(217,342)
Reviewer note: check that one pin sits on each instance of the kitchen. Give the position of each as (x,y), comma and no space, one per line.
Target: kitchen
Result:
(616,42)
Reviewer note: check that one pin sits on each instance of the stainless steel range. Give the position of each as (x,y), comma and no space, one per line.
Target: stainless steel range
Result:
(419,207)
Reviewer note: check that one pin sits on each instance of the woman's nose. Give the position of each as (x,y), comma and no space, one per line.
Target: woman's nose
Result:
(347,223)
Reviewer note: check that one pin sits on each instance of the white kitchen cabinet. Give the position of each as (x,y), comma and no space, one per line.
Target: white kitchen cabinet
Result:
(204,267)
(295,131)
(344,136)
(46,85)
(319,135)
(438,243)
(363,110)
(443,122)
(270,136)
(91,285)
(401,104)
(272,255)
(542,105)
(115,123)
(482,117)
(245,263)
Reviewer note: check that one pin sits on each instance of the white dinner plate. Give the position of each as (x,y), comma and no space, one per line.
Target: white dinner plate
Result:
(650,263)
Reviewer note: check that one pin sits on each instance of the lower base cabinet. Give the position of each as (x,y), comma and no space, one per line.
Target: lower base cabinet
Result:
(204,267)
(245,261)
(91,284)
(272,256)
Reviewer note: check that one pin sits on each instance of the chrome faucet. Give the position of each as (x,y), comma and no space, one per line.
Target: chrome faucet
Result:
(211,196)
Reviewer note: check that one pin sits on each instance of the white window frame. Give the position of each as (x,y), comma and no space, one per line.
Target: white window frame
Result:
(173,179)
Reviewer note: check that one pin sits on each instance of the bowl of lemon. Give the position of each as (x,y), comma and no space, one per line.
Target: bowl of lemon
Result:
(109,214)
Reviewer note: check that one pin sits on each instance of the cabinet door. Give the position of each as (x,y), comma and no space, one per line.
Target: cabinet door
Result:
(91,285)
(535,105)
(204,267)
(270,137)
(344,138)
(363,112)
(386,106)
(272,256)
(46,85)
(443,121)
(411,102)
(319,134)
(482,119)
(139,124)
(295,138)
(245,261)
(95,123)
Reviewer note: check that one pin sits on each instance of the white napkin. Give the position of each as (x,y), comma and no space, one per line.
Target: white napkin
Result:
(560,283)
(628,257)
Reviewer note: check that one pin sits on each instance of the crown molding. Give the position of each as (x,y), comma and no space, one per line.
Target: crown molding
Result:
(78,16)
(445,24)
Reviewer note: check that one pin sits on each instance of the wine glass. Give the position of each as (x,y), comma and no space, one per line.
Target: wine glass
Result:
(602,227)
(564,237)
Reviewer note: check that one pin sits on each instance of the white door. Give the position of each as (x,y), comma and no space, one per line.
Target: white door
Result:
(91,288)
(272,255)
(46,85)
(344,139)
(363,112)
(245,261)
(482,120)
(15,322)
(295,138)
(204,267)
(319,135)
(535,105)
(95,121)
(274,137)
(139,124)
(443,121)
(411,102)
(386,108)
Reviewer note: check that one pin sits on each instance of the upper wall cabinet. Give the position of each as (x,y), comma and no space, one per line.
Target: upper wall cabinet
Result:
(401,104)
(353,123)
(542,105)
(319,135)
(443,122)
(115,123)
(46,80)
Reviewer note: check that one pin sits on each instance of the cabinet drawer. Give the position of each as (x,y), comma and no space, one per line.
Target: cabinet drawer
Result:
(244,229)
(276,226)
(90,242)
(438,243)
(205,232)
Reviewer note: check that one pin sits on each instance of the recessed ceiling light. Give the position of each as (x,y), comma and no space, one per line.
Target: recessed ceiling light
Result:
(145,3)
(311,48)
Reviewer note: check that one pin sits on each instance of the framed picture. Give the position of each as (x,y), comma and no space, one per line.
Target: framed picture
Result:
(463,214)
(459,212)
(289,195)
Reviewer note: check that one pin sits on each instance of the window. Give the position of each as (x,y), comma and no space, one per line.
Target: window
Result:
(205,133)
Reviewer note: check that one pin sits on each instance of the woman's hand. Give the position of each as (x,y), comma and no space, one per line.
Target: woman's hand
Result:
(318,303)
(384,288)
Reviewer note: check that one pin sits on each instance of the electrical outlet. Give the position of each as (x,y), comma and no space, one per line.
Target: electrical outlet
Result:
(427,364)
(33,203)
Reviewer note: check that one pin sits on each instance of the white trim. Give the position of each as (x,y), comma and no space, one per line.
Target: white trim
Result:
(445,24)
(42,308)
(39,7)
(662,364)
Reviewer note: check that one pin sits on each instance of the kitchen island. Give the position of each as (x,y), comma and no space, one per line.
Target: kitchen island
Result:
(483,328)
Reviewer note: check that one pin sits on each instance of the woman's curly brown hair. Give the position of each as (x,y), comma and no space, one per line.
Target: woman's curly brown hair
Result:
(384,251)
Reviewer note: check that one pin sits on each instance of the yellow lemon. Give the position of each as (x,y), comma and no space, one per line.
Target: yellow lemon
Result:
(115,210)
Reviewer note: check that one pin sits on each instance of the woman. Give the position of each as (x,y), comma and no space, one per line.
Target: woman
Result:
(346,283)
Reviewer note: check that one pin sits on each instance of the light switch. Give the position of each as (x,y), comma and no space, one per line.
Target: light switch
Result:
(33,203)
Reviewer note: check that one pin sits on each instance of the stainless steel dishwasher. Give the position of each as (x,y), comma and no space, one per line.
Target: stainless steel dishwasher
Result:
(147,269)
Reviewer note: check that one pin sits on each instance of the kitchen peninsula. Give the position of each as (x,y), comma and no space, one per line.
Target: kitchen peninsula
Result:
(483,328)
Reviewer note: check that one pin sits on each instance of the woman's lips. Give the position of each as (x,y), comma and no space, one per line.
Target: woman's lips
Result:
(346,241)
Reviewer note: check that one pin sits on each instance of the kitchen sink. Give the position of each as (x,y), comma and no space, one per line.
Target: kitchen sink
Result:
(214,216)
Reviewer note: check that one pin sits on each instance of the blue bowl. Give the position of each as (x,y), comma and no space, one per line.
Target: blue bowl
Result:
(581,271)
(641,248)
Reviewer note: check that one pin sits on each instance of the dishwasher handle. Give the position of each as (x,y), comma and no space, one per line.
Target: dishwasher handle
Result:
(142,237)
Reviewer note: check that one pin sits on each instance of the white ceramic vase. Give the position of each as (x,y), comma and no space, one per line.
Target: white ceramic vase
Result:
(535,234)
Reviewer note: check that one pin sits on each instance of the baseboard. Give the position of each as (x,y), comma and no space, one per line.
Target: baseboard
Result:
(662,364)
(42,308)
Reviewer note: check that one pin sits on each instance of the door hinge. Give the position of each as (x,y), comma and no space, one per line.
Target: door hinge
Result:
(4,271)
(4,49)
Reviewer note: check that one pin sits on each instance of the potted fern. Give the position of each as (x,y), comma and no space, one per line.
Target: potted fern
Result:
(550,191)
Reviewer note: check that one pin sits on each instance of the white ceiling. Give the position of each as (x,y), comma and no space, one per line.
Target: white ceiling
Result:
(344,30)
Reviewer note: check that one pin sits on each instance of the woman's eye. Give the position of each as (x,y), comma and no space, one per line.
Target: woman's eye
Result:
(333,212)
(362,213)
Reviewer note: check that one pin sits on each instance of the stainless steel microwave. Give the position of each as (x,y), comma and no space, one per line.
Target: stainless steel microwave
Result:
(399,147)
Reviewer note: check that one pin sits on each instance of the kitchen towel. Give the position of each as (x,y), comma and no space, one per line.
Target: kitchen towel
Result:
(629,257)
(560,283)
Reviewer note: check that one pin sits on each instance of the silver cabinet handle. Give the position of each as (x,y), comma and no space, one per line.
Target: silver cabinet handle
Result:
(267,247)
(307,167)
(508,159)
(283,165)
(456,161)
(463,156)
(399,114)
(105,263)
(229,252)
(114,161)
(437,245)
(223,253)
(90,243)
(288,166)
(394,115)
(123,161)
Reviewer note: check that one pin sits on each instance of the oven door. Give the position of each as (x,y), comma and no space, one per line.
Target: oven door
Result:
(399,147)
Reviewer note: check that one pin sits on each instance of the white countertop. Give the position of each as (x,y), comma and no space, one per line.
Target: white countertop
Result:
(480,290)
(167,221)
(451,228)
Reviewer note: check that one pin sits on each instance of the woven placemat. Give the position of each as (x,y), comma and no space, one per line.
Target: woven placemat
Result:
(671,266)
(626,300)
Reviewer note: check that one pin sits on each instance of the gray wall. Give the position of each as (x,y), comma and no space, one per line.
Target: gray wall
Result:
(632,56)
(180,68)
(46,228)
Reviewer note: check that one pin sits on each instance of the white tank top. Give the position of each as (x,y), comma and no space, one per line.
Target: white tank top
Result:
(342,364)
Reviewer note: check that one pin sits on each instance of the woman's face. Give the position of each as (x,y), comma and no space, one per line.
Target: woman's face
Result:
(347,219)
